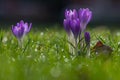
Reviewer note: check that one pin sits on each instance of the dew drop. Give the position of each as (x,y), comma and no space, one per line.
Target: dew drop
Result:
(66,59)
(55,72)
(62,50)
(42,57)
(4,39)
(42,33)
(36,50)
(13,59)
(118,33)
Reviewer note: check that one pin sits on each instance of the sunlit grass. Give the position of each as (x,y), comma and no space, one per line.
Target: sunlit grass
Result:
(45,56)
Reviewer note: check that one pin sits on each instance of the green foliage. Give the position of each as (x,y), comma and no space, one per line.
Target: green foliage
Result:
(46,56)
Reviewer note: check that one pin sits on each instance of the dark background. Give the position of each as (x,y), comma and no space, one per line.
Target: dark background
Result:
(52,11)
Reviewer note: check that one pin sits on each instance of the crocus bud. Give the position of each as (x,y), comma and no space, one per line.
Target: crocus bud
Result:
(85,17)
(87,38)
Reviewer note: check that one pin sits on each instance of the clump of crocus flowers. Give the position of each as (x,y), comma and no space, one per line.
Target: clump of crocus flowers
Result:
(75,23)
(20,30)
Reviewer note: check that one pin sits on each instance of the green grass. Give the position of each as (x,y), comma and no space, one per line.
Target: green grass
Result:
(46,56)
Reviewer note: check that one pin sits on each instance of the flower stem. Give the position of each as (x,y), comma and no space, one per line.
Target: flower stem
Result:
(76,47)
(88,51)
(20,43)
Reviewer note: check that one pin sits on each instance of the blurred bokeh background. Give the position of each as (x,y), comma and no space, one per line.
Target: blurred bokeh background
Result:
(52,11)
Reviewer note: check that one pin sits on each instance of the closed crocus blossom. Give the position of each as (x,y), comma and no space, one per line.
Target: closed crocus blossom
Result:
(85,17)
(69,15)
(87,38)
(87,41)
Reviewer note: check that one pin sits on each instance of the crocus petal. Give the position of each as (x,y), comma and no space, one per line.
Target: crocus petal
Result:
(66,13)
(21,22)
(69,14)
(18,31)
(66,24)
(81,14)
(85,16)
(75,27)
(75,14)
(18,24)
(30,27)
(26,28)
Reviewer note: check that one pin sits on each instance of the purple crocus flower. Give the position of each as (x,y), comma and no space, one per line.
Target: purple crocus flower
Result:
(75,22)
(87,38)
(21,29)
(85,16)
(71,23)
(69,15)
